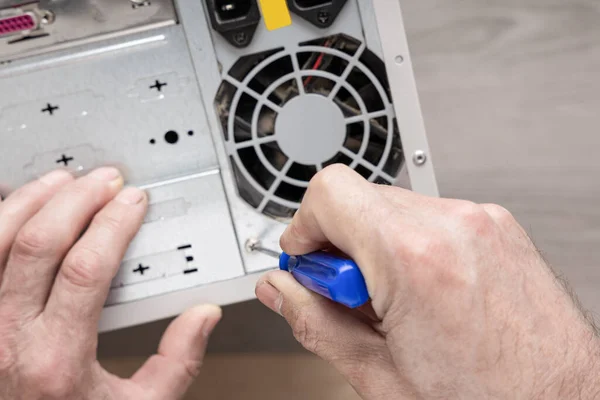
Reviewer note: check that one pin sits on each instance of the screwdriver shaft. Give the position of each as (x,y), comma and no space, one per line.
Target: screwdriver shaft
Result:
(265,251)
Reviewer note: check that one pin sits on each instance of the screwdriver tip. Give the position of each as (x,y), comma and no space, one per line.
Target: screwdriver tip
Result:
(251,245)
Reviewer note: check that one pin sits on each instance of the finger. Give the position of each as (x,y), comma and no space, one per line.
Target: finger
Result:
(23,204)
(168,374)
(337,195)
(330,331)
(44,241)
(84,278)
(342,208)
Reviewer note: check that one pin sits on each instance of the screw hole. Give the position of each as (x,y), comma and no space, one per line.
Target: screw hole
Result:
(48,17)
(190,133)
(152,141)
(171,137)
(399,60)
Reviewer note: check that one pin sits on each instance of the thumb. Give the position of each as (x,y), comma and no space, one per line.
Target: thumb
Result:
(333,332)
(168,374)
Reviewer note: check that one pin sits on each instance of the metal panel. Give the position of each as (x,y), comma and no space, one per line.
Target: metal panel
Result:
(110,110)
(136,89)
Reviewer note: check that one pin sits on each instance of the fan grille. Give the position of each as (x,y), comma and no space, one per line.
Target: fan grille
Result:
(258,87)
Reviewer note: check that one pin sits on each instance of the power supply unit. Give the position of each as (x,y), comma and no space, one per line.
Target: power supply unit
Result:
(222,118)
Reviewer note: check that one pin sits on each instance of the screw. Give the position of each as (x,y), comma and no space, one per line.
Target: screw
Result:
(48,17)
(251,244)
(419,158)
(399,60)
(240,38)
(323,17)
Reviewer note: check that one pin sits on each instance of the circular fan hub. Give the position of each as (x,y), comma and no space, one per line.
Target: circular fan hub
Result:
(310,129)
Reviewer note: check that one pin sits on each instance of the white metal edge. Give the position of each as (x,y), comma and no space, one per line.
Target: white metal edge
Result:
(405,96)
(172,304)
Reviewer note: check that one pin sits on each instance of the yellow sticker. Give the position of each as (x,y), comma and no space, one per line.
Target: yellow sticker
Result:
(276,14)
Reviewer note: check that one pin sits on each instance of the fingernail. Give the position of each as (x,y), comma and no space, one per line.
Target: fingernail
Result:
(130,196)
(269,296)
(107,174)
(213,315)
(56,177)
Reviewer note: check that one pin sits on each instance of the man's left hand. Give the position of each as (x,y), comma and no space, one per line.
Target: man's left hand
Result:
(61,243)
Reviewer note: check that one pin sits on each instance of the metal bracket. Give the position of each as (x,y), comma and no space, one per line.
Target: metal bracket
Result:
(405,96)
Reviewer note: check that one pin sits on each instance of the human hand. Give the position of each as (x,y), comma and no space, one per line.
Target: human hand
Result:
(53,285)
(463,305)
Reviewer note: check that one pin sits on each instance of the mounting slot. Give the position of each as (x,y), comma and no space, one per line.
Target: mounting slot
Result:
(235,20)
(321,13)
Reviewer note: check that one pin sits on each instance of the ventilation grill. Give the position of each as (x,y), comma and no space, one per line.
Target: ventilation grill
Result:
(277,89)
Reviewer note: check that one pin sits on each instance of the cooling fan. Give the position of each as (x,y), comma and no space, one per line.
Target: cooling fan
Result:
(290,112)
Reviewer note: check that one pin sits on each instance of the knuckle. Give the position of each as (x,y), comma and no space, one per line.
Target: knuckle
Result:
(328,177)
(500,214)
(82,269)
(334,171)
(473,217)
(423,250)
(192,368)
(109,221)
(458,277)
(33,243)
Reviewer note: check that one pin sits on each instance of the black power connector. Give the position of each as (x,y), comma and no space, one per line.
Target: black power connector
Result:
(321,13)
(235,20)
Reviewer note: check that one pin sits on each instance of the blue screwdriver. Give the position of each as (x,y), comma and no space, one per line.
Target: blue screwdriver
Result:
(339,279)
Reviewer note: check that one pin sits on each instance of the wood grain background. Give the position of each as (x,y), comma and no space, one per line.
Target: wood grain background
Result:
(511,95)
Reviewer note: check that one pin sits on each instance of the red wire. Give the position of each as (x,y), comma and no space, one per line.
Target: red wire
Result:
(319,61)
(317,64)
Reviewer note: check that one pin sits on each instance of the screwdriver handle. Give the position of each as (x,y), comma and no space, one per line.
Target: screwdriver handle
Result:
(336,278)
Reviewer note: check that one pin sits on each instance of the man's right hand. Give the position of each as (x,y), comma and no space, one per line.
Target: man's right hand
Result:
(463,305)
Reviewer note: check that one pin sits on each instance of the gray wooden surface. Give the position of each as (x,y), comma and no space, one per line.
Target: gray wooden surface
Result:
(511,95)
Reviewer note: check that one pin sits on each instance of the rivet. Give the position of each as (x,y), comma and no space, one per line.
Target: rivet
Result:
(419,158)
